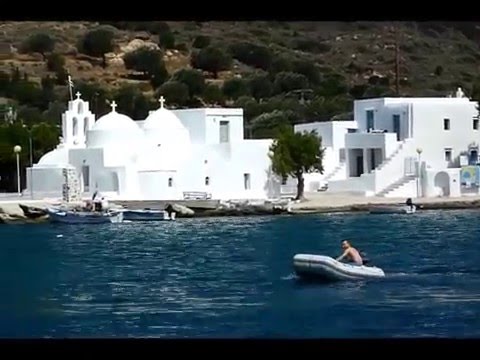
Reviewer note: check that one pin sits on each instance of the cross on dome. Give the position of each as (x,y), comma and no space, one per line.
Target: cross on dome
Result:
(78,95)
(161,101)
(113,105)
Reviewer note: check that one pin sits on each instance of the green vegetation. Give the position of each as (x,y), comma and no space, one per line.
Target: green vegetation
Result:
(294,154)
(212,59)
(280,73)
(40,43)
(97,43)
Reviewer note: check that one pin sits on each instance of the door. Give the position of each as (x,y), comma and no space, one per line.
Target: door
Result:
(370,120)
(372,160)
(86,178)
(473,157)
(396,125)
(359,165)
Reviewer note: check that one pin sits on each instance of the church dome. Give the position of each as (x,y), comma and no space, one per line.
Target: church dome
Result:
(56,157)
(114,129)
(164,127)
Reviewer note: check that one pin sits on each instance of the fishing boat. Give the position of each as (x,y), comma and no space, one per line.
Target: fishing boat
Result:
(59,215)
(147,215)
(326,268)
(393,209)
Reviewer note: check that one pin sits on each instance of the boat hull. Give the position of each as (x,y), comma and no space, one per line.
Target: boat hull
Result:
(328,269)
(146,215)
(84,217)
(393,210)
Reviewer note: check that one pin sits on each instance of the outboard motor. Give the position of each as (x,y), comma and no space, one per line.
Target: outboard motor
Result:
(366,260)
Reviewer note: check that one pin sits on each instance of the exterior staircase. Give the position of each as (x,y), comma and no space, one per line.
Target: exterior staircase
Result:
(393,171)
(336,171)
(392,156)
(396,185)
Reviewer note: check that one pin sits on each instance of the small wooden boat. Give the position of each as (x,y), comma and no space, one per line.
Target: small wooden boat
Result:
(147,215)
(393,209)
(84,217)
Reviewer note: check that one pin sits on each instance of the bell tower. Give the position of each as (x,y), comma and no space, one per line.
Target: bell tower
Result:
(76,122)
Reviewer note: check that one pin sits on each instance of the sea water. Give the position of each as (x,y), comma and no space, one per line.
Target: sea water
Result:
(233,278)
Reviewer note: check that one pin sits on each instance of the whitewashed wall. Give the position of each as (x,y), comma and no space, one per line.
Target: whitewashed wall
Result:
(444,182)
(430,135)
(154,185)
(48,182)
(235,127)
(383,110)
(195,121)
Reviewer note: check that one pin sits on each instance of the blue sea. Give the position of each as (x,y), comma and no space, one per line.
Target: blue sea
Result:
(233,278)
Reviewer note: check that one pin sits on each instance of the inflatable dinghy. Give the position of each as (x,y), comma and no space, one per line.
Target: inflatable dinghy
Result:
(393,210)
(329,269)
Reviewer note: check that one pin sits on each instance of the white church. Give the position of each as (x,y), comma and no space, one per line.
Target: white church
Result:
(402,147)
(171,155)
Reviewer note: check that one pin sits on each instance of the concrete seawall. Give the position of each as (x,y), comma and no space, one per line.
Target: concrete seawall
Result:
(10,211)
(338,202)
(161,204)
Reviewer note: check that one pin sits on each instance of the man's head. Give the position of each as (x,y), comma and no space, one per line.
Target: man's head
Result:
(345,244)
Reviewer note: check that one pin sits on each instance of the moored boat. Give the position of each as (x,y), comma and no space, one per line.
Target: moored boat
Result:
(147,215)
(84,217)
(393,209)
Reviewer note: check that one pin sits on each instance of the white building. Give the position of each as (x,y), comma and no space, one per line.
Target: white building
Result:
(380,151)
(333,142)
(171,155)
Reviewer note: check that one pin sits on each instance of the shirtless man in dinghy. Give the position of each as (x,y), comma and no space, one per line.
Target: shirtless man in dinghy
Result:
(350,253)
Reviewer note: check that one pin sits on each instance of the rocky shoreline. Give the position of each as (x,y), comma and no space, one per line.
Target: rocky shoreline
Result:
(351,208)
(11,213)
(21,213)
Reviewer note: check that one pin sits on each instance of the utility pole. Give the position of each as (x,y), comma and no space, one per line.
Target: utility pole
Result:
(397,61)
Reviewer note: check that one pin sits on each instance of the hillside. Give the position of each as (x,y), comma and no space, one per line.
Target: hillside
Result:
(278,72)
(433,59)
(351,59)
(354,50)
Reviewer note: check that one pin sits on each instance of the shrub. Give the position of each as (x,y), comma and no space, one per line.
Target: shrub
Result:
(234,88)
(212,59)
(97,43)
(40,43)
(201,41)
(193,79)
(55,62)
(288,81)
(174,92)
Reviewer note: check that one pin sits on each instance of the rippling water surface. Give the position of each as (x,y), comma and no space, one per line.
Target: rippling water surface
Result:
(232,277)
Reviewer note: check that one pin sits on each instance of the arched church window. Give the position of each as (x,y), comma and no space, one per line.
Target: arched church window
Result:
(75,126)
(170,182)
(80,107)
(207,181)
(85,125)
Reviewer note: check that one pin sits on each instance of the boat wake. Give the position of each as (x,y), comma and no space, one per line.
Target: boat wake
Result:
(289,277)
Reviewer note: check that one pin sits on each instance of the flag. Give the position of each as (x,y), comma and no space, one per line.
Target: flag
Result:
(70,82)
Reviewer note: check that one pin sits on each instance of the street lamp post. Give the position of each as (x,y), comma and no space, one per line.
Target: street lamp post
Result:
(17,149)
(30,143)
(419,173)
